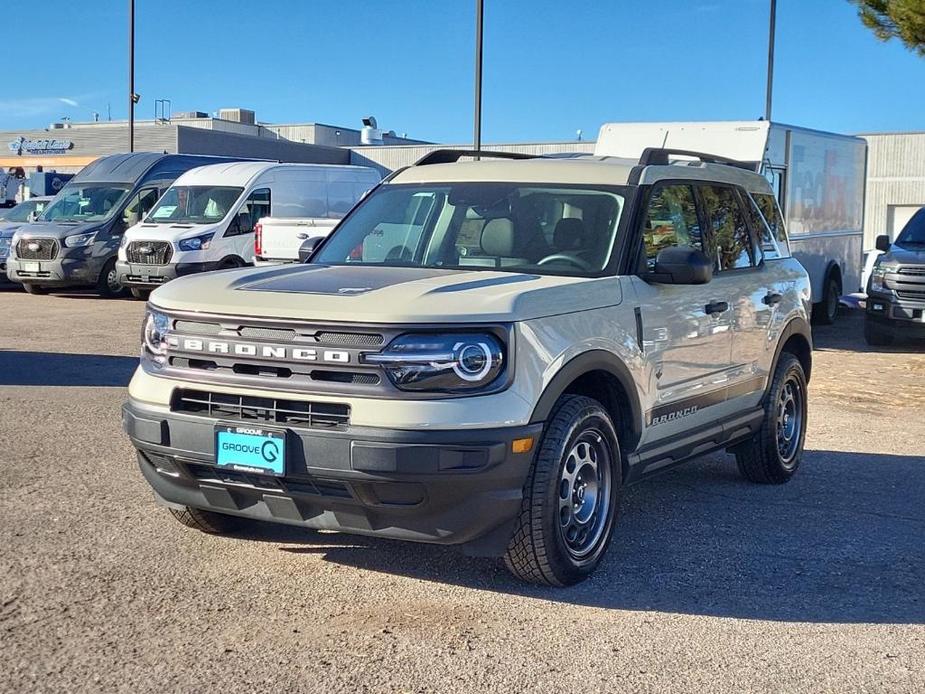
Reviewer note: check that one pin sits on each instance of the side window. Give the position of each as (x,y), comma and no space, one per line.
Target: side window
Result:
(671,220)
(730,240)
(254,208)
(139,206)
(766,243)
(771,213)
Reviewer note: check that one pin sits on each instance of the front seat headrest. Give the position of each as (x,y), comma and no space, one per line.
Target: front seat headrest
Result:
(498,237)
(569,234)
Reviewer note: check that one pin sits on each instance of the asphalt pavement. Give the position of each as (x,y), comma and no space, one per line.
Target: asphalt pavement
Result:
(711,583)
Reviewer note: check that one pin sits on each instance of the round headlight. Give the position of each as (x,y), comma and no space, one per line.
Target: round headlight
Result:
(473,360)
(154,336)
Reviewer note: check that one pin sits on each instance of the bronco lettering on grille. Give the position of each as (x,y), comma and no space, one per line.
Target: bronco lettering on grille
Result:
(243,349)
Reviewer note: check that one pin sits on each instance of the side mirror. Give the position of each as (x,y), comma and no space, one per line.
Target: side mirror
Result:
(308,247)
(681,265)
(131,219)
(242,223)
(883,243)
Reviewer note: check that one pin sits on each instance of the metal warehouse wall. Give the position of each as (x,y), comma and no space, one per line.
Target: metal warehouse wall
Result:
(202,141)
(387,159)
(895,182)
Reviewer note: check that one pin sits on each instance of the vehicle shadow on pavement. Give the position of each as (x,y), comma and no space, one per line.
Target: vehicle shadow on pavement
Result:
(842,543)
(18,368)
(847,335)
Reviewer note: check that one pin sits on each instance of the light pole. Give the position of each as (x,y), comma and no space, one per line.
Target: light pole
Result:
(477,135)
(771,27)
(132,99)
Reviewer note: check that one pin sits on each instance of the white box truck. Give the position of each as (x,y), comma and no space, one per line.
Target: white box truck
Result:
(818,178)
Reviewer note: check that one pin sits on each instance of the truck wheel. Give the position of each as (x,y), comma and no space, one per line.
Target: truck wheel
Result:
(773,455)
(206,521)
(826,311)
(34,288)
(571,497)
(139,293)
(876,336)
(108,285)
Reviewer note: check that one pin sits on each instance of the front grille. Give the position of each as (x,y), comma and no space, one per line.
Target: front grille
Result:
(279,334)
(914,270)
(287,485)
(197,328)
(915,295)
(42,249)
(248,408)
(349,339)
(149,252)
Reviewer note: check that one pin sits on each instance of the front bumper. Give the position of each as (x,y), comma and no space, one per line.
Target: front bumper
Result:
(59,272)
(901,317)
(150,276)
(461,487)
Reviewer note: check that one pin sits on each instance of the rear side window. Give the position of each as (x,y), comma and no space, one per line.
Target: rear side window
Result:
(767,244)
(730,238)
(671,220)
(254,208)
(771,213)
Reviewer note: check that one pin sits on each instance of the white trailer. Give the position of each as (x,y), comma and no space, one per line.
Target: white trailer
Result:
(818,177)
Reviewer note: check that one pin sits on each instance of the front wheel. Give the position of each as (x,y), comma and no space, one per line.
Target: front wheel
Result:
(138,293)
(206,521)
(773,455)
(35,289)
(571,497)
(108,285)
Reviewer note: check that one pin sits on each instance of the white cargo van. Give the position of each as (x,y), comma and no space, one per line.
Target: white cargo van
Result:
(206,219)
(818,178)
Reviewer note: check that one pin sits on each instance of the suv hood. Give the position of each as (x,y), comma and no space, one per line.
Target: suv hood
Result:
(7,228)
(385,294)
(56,230)
(903,255)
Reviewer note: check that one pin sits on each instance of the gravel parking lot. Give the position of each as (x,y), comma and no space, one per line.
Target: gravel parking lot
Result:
(711,584)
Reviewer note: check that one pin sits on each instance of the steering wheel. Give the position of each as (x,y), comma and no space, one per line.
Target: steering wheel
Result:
(567,257)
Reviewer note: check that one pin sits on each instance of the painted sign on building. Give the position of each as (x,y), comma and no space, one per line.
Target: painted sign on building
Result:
(21,145)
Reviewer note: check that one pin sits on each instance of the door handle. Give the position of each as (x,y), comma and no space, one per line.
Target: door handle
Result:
(772,298)
(715,307)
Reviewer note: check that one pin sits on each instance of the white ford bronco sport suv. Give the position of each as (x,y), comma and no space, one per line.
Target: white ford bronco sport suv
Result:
(484,353)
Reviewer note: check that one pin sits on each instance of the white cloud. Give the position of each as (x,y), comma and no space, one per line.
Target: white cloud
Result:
(69,102)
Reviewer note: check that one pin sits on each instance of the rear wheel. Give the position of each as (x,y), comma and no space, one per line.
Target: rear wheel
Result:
(826,311)
(876,336)
(207,521)
(773,455)
(571,497)
(35,289)
(108,285)
(139,293)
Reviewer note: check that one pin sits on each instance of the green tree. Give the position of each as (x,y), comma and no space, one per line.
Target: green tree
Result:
(900,19)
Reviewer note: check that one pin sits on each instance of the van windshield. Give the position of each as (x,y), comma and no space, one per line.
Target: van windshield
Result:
(194,205)
(21,212)
(86,202)
(537,228)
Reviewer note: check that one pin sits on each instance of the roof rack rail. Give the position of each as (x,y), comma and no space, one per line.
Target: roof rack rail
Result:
(658,156)
(449,156)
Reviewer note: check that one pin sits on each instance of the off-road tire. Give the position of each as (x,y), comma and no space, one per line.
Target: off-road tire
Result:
(138,293)
(876,336)
(826,311)
(103,287)
(207,521)
(36,289)
(760,459)
(537,552)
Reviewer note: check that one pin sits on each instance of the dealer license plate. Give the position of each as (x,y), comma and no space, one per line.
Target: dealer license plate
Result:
(250,449)
(31,267)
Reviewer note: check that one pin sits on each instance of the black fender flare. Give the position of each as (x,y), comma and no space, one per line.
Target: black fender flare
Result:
(795,326)
(586,362)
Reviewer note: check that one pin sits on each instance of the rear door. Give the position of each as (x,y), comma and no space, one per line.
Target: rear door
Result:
(746,281)
(685,328)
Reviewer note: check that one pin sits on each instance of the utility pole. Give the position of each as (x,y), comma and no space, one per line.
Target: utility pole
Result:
(773,21)
(477,136)
(131,76)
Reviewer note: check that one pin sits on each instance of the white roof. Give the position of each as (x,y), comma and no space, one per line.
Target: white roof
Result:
(240,173)
(587,170)
(742,140)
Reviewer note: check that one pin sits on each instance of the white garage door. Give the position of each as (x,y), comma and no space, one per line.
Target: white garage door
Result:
(898,215)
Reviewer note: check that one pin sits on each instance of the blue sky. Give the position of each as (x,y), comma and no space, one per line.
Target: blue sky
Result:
(551,67)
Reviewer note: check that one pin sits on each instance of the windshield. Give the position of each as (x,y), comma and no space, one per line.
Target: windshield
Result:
(913,234)
(86,202)
(21,212)
(194,204)
(536,228)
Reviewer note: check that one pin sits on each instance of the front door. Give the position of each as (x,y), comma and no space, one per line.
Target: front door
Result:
(686,329)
